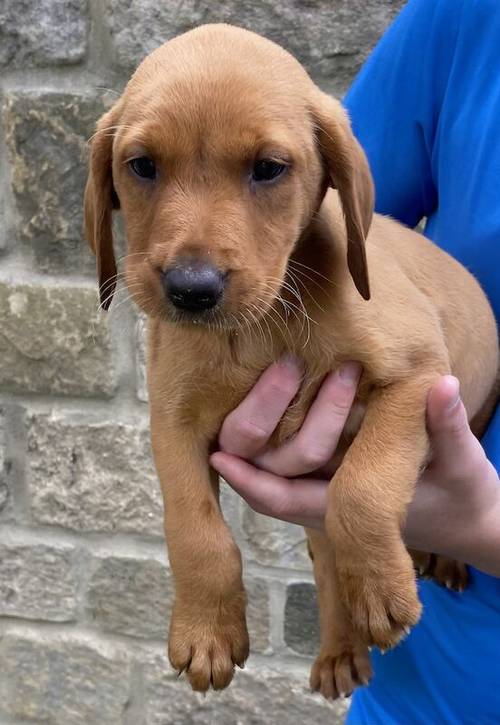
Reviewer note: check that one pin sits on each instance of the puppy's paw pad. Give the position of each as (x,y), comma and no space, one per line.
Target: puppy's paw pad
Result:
(338,675)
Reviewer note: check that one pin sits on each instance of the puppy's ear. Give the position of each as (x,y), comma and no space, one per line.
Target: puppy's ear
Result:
(348,172)
(100,200)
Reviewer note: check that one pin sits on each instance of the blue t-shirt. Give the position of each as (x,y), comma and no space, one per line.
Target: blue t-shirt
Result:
(426,108)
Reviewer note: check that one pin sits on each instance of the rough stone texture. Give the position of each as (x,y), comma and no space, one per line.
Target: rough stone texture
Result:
(258,695)
(330,37)
(274,543)
(54,340)
(46,135)
(258,614)
(37,582)
(62,681)
(135,597)
(4,490)
(301,619)
(92,476)
(130,596)
(46,32)
(140,359)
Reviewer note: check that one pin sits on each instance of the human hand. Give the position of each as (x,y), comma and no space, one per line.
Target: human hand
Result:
(456,508)
(276,482)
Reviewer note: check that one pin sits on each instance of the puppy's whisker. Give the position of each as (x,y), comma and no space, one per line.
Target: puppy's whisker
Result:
(114,294)
(300,314)
(267,316)
(300,275)
(109,90)
(314,271)
(298,281)
(108,128)
(131,254)
(255,318)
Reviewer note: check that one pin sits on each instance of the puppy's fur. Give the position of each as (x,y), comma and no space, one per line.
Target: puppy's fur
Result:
(204,107)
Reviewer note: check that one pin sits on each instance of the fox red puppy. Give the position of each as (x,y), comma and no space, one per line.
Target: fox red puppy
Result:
(248,207)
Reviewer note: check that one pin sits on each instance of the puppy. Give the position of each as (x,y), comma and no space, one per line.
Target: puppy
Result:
(248,206)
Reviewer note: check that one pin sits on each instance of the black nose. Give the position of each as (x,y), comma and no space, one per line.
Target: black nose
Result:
(193,286)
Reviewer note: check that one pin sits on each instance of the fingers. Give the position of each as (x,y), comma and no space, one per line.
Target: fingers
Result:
(453,443)
(248,427)
(300,502)
(315,443)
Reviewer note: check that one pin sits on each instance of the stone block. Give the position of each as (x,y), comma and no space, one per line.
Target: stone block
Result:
(46,138)
(301,619)
(53,339)
(140,358)
(92,475)
(62,680)
(37,582)
(4,489)
(259,695)
(130,596)
(330,37)
(258,614)
(274,543)
(46,32)
(135,597)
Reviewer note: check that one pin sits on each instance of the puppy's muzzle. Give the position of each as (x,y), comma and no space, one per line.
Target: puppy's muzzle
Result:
(193,286)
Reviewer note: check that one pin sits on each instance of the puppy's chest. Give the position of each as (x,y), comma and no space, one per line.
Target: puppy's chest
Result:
(217,394)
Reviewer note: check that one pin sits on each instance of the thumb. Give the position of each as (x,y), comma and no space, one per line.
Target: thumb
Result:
(451,438)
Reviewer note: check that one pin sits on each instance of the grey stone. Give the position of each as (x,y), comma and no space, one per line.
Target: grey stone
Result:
(135,597)
(37,582)
(330,37)
(130,596)
(46,136)
(259,694)
(258,614)
(92,476)
(274,543)
(62,680)
(140,359)
(54,340)
(301,618)
(46,32)
(4,490)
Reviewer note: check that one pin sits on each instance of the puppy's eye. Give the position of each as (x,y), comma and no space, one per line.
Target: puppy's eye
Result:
(267,170)
(144,167)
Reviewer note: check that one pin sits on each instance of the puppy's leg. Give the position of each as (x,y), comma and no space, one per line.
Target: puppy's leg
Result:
(208,632)
(343,661)
(368,498)
(449,573)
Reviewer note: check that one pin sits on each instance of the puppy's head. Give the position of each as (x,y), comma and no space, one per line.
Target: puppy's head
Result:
(219,153)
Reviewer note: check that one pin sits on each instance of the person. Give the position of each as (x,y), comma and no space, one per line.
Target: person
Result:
(426,108)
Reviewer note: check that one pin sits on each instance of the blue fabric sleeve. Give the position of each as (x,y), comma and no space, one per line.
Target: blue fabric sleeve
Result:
(394,105)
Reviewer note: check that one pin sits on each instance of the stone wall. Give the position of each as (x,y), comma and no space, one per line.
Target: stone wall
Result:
(85,588)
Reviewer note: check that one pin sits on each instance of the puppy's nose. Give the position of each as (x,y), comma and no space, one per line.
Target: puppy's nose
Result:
(193,286)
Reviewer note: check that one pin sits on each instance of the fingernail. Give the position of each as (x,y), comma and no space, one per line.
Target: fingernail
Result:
(454,387)
(214,461)
(292,361)
(350,372)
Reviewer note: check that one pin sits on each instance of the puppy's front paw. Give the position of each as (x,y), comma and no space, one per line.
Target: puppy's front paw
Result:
(338,675)
(382,602)
(207,643)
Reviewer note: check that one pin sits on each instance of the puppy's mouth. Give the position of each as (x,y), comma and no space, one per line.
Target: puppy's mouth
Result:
(212,318)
